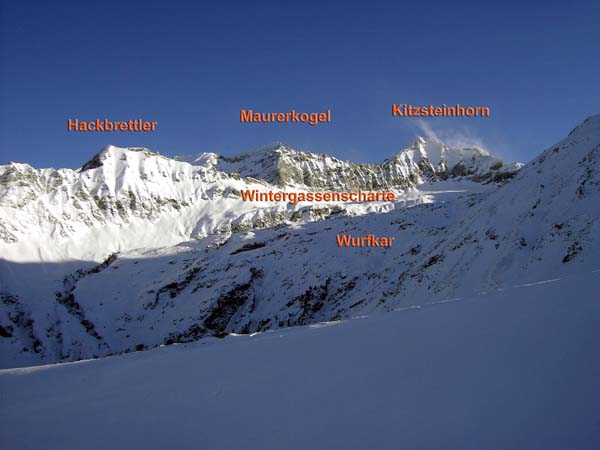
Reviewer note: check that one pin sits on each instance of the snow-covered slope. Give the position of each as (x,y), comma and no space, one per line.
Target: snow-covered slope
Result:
(547,219)
(515,369)
(148,297)
(464,239)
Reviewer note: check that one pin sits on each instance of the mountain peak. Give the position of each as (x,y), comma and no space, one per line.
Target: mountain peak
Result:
(420,140)
(437,159)
(592,123)
(265,151)
(115,153)
(272,147)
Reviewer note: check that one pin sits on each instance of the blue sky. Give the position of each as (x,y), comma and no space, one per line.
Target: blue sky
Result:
(191,67)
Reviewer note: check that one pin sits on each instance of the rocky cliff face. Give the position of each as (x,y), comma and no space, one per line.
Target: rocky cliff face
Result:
(424,160)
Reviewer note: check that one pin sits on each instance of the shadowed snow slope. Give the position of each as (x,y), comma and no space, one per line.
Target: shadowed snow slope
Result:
(513,369)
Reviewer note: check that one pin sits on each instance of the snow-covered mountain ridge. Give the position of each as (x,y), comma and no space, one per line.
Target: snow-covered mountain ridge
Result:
(129,198)
(542,224)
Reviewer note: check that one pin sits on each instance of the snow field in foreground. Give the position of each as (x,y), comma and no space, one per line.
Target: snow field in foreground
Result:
(511,369)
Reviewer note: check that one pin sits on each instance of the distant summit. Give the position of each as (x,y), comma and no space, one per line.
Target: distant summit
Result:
(424,160)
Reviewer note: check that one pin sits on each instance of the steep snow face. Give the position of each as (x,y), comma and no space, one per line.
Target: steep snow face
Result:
(128,198)
(514,369)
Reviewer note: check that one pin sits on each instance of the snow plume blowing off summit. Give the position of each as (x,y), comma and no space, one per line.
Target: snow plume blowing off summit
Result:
(455,136)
